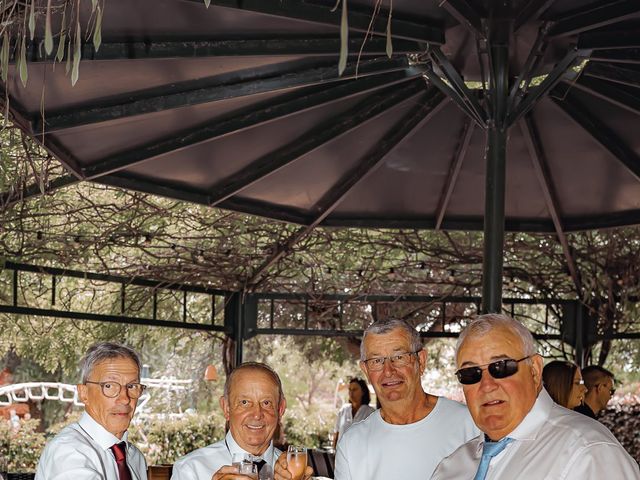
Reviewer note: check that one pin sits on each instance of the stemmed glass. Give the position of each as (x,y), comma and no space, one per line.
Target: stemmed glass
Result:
(296,461)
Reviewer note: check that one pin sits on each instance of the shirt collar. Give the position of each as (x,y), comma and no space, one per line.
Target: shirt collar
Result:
(535,419)
(233,446)
(98,433)
(531,424)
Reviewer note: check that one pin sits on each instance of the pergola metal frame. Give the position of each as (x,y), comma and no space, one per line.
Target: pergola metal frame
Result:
(241,309)
(504,103)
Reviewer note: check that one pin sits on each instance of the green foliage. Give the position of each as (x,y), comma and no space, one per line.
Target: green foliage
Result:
(311,429)
(21,448)
(166,440)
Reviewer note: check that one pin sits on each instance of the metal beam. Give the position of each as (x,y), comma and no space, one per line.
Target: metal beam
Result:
(322,15)
(619,97)
(628,55)
(430,104)
(555,76)
(327,131)
(102,277)
(150,322)
(189,48)
(466,15)
(274,110)
(154,187)
(531,12)
(613,73)
(222,87)
(536,54)
(541,168)
(539,225)
(453,77)
(454,170)
(614,39)
(615,145)
(495,170)
(600,16)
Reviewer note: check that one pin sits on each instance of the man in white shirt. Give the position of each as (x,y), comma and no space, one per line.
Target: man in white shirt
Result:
(525,434)
(96,447)
(253,403)
(413,430)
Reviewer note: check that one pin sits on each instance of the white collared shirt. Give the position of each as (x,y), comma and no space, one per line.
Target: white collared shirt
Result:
(204,462)
(550,443)
(81,451)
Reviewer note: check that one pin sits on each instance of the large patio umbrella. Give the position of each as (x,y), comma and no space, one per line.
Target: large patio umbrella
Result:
(450,114)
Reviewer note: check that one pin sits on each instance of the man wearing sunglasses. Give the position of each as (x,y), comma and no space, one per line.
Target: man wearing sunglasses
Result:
(525,435)
(599,382)
(413,430)
(96,447)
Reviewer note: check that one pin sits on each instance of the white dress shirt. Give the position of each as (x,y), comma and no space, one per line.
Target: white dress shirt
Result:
(204,462)
(550,443)
(81,451)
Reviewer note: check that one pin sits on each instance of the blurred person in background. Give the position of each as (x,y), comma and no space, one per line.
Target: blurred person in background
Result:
(563,382)
(599,382)
(355,410)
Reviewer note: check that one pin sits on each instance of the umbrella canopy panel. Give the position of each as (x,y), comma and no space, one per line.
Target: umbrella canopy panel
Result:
(240,105)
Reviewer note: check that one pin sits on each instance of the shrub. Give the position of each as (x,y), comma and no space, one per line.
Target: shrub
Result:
(309,429)
(624,423)
(166,440)
(21,448)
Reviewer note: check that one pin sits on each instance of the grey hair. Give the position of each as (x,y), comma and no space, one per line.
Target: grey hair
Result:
(105,351)
(253,366)
(387,325)
(484,324)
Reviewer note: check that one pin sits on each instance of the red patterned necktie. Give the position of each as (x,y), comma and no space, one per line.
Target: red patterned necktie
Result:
(120,452)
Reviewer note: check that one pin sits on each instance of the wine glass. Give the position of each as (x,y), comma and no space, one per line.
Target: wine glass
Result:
(296,461)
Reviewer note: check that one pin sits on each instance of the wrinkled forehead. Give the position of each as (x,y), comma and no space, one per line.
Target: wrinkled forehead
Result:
(116,366)
(494,344)
(394,340)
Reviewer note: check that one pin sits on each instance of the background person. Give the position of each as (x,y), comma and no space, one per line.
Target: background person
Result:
(355,410)
(563,382)
(524,433)
(96,447)
(599,382)
(413,430)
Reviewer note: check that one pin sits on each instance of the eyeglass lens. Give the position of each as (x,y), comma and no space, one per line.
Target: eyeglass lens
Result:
(499,369)
(113,389)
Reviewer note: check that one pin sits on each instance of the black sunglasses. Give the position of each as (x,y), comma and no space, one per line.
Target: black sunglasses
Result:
(498,369)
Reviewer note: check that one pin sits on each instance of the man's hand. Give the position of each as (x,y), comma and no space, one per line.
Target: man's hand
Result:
(281,472)
(229,472)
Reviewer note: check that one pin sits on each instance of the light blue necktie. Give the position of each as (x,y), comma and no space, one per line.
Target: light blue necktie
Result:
(490,450)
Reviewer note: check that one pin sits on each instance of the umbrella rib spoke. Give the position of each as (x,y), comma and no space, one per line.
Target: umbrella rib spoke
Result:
(452,178)
(541,168)
(328,131)
(600,133)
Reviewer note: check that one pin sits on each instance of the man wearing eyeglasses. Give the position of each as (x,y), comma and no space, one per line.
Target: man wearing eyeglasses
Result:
(96,447)
(599,383)
(525,434)
(413,430)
